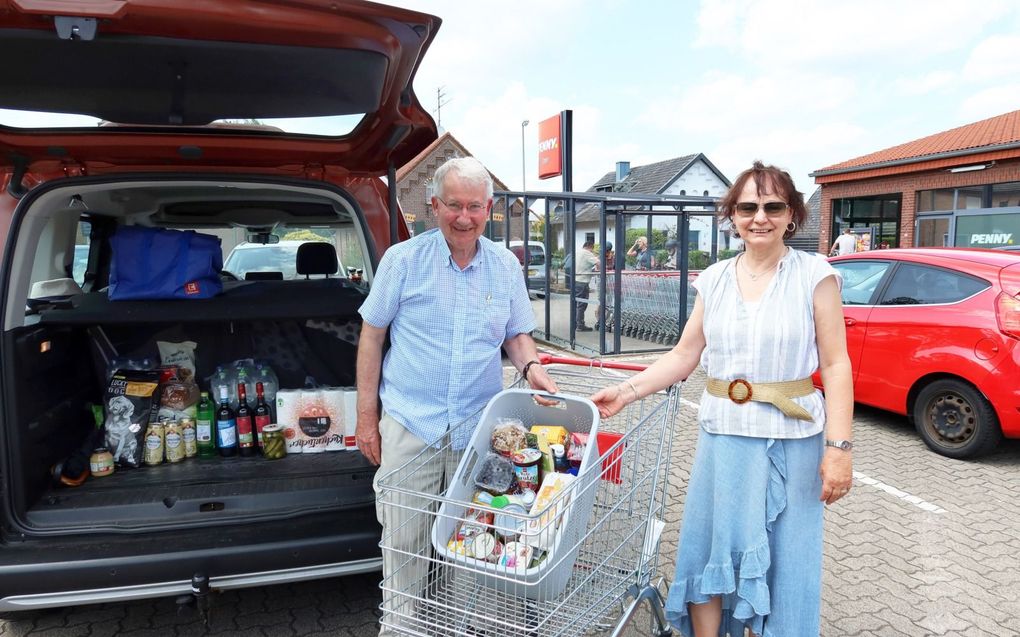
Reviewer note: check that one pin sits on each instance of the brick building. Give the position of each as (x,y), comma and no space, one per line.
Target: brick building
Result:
(960,187)
(414,190)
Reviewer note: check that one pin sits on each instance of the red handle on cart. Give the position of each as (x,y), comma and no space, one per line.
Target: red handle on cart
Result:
(546,359)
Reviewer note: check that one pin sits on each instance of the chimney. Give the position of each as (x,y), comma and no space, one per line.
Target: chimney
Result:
(622,170)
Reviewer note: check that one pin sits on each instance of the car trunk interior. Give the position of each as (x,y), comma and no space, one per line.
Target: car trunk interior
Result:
(56,357)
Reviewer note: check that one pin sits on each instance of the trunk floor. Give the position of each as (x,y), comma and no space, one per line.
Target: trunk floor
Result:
(206,489)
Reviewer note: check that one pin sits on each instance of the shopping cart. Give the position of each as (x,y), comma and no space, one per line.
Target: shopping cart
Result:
(611,565)
(649,303)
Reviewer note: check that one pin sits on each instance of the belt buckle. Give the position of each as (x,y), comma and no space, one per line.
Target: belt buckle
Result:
(747,388)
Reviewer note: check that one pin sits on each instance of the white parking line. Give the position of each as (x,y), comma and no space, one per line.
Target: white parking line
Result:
(924,505)
(902,495)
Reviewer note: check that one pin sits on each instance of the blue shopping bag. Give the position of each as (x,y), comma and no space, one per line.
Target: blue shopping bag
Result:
(156,263)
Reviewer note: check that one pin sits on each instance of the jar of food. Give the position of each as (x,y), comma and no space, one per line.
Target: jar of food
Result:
(101,462)
(274,446)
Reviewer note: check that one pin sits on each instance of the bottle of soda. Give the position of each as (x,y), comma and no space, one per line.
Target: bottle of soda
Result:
(245,426)
(226,426)
(263,415)
(204,428)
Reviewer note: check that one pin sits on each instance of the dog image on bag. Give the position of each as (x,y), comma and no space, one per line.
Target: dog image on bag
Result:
(118,429)
(132,398)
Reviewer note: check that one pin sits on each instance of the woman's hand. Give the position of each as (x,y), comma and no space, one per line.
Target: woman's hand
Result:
(610,400)
(837,474)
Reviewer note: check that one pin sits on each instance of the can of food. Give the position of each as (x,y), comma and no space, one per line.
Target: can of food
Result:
(173,441)
(189,433)
(101,462)
(486,547)
(274,446)
(508,526)
(526,468)
(155,441)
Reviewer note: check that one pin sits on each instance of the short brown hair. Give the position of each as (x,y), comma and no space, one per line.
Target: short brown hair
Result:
(781,184)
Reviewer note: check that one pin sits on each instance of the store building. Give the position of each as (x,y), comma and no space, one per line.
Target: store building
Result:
(960,187)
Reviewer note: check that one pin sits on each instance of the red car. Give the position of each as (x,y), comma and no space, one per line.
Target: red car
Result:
(934,333)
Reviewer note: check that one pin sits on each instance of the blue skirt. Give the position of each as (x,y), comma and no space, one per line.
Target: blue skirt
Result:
(752,534)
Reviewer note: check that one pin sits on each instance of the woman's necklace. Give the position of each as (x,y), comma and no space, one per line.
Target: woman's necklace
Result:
(755,275)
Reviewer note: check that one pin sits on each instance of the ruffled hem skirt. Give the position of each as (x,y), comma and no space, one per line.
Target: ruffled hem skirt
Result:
(752,535)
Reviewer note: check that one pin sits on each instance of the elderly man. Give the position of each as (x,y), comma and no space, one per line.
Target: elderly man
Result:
(587,263)
(450,299)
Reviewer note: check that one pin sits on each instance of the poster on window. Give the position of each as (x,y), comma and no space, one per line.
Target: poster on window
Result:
(865,238)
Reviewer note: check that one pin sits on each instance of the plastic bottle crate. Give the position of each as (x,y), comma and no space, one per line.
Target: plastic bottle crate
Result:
(572,507)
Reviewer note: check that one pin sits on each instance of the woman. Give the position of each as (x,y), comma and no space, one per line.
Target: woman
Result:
(770,450)
(643,259)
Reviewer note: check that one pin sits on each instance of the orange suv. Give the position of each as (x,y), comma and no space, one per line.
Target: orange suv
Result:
(248,120)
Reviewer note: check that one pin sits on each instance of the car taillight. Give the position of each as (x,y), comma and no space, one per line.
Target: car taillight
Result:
(1007,313)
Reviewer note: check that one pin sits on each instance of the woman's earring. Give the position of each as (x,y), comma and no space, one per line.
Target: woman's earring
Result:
(791,227)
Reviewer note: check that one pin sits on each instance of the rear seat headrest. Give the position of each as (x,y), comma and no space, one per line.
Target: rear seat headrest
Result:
(316,258)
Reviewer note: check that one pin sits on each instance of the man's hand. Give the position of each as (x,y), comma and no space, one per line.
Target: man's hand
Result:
(367,435)
(540,380)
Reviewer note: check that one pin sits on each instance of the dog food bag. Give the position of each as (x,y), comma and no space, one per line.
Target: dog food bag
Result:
(131,399)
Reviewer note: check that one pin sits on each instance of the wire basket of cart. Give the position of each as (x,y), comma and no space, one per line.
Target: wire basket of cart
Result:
(580,560)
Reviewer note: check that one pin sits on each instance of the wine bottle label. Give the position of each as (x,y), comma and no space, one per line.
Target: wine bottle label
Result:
(226,433)
(244,433)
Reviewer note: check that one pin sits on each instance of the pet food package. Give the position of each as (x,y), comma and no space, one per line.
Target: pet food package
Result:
(311,419)
(131,402)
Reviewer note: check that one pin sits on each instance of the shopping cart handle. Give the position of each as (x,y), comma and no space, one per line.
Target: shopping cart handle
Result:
(547,359)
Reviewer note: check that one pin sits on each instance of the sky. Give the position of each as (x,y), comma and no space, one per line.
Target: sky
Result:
(802,84)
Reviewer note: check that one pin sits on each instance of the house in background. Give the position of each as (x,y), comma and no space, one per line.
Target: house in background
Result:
(960,187)
(807,235)
(415,189)
(691,175)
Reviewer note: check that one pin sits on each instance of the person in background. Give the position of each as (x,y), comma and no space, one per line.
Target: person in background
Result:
(670,263)
(771,448)
(610,259)
(587,263)
(449,299)
(845,243)
(643,259)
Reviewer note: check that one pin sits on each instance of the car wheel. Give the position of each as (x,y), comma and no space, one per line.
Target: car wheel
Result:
(955,420)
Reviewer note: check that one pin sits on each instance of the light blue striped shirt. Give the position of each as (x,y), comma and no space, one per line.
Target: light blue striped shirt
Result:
(768,341)
(446,328)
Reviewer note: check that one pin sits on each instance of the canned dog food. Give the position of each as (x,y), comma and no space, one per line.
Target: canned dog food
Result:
(189,434)
(155,441)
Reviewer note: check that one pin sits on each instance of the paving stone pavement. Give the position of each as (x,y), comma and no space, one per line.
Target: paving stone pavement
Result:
(923,546)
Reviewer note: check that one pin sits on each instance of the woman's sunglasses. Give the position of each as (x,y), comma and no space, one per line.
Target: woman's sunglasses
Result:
(772,208)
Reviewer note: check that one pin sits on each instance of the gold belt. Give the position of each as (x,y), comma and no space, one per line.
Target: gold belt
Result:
(779,394)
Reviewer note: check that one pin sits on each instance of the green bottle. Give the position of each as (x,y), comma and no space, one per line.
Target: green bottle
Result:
(204,428)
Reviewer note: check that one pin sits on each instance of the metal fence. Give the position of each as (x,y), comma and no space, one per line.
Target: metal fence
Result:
(634,310)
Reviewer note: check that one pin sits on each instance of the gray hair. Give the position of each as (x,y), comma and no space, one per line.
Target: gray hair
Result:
(468,169)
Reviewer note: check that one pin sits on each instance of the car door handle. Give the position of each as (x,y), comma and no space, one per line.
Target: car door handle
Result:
(849,321)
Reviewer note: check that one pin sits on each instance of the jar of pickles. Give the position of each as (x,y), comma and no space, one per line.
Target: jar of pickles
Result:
(274,446)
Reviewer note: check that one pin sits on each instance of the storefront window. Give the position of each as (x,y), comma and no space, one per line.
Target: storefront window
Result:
(1006,195)
(969,198)
(932,200)
(987,231)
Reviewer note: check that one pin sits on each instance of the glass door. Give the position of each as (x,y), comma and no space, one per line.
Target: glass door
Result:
(932,232)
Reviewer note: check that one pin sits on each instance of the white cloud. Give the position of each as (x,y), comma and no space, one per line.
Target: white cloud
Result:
(993,58)
(827,33)
(989,103)
(924,84)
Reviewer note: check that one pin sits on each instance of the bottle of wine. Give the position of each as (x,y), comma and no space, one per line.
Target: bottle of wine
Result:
(263,415)
(226,426)
(245,427)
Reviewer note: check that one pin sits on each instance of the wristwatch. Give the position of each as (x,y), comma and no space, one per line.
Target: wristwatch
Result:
(845,445)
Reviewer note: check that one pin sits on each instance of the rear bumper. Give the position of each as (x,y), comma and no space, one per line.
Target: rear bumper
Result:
(67,571)
(1003,390)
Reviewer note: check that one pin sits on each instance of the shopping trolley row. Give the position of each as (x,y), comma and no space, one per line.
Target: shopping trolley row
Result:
(649,303)
(573,564)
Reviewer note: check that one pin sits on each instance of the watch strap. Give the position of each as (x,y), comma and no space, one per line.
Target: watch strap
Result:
(845,445)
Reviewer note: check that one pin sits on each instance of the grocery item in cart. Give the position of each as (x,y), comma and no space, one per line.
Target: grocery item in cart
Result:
(508,435)
(554,435)
(496,474)
(526,468)
(549,513)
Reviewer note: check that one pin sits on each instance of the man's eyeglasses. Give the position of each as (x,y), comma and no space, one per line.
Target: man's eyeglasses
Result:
(771,208)
(457,207)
